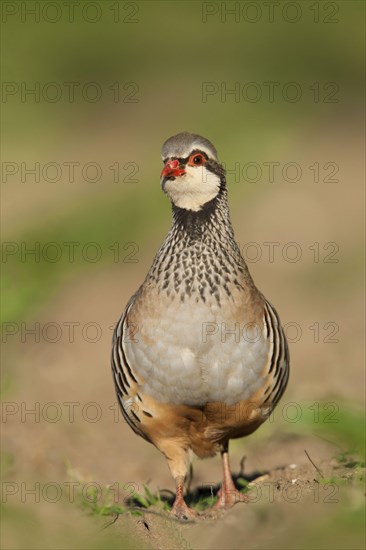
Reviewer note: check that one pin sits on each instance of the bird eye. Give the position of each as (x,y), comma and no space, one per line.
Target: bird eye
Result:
(197,160)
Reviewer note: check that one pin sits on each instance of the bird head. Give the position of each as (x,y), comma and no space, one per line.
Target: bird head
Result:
(192,174)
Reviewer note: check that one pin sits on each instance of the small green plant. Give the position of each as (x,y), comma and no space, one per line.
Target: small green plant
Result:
(101,503)
(334,480)
(147,499)
(204,503)
(347,459)
(243,484)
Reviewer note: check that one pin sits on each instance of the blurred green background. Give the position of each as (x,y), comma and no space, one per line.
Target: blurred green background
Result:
(161,56)
(168,53)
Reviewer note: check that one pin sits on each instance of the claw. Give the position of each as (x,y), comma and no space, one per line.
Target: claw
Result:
(182,511)
(228,498)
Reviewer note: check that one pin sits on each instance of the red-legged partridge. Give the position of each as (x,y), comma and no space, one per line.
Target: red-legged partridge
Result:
(199,355)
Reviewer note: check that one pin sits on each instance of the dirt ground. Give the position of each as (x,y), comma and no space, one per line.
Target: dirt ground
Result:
(75,433)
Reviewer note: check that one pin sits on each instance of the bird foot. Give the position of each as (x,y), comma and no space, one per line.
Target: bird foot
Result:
(228,498)
(182,511)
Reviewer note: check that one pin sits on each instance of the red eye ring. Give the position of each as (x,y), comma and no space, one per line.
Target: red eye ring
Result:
(196,159)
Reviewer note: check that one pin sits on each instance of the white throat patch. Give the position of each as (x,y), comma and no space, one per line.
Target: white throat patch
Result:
(193,189)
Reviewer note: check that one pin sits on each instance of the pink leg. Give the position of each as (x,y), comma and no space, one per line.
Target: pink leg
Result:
(228,494)
(180,509)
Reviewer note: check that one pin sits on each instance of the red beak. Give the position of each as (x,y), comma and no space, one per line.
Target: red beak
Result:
(171,169)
